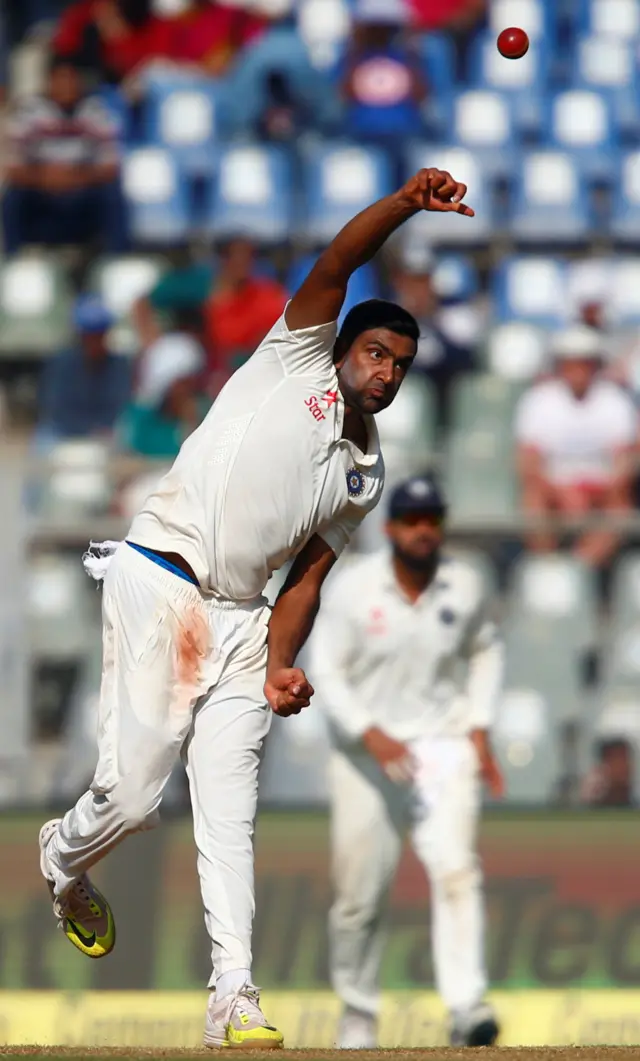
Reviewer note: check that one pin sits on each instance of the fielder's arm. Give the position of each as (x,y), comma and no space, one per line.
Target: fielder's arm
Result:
(320,298)
(286,687)
(485,656)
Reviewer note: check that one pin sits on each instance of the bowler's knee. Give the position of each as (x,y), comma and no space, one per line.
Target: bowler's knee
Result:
(136,807)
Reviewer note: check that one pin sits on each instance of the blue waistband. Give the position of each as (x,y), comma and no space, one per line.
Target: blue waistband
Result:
(161,562)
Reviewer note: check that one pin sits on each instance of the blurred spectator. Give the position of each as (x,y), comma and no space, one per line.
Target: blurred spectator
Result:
(62,181)
(113,38)
(448,334)
(577,440)
(460,18)
(85,388)
(169,402)
(239,306)
(383,84)
(210,35)
(610,782)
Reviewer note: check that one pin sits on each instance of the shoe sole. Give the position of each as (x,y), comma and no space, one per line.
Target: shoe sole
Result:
(99,948)
(484,1034)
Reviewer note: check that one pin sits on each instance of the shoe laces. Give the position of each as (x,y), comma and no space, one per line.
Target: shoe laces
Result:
(78,902)
(246,1000)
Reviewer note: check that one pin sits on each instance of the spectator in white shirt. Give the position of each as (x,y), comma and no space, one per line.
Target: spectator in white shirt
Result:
(577,436)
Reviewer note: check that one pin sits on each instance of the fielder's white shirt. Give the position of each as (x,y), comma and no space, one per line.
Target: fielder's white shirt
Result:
(266,470)
(432,668)
(577,438)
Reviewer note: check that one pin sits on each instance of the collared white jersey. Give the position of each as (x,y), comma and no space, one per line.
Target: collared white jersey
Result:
(266,470)
(424,669)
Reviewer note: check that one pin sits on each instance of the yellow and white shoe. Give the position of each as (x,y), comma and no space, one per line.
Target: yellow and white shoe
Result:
(237,1020)
(83,913)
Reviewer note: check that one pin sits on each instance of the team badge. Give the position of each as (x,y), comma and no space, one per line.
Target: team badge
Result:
(355,482)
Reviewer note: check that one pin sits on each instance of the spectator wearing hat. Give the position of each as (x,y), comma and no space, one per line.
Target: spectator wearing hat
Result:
(383,84)
(62,178)
(170,401)
(85,388)
(577,436)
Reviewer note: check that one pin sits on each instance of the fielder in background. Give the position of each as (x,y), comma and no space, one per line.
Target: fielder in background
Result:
(409,667)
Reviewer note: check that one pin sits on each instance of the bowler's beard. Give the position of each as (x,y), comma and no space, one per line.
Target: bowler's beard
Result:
(422,565)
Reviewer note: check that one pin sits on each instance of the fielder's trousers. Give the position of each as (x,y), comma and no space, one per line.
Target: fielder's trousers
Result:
(369,818)
(182,674)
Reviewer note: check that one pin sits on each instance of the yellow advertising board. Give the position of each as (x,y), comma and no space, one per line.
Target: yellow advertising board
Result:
(410,1019)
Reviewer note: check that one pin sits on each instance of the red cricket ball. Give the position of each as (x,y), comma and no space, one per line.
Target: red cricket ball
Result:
(513,43)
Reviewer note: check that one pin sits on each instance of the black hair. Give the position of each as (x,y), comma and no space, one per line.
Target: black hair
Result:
(375,313)
(58,60)
(188,319)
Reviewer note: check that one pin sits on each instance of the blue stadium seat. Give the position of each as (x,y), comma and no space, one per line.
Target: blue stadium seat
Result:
(550,202)
(608,65)
(531,289)
(455,278)
(524,83)
(483,122)
(438,60)
(182,114)
(615,18)
(339,180)
(118,108)
(580,121)
(157,196)
(252,194)
(364,283)
(624,304)
(448,227)
(625,211)
(536,17)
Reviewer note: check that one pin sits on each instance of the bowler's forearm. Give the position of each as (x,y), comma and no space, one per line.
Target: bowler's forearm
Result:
(365,234)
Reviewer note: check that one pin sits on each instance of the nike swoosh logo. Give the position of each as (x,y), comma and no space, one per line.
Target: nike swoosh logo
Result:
(87,941)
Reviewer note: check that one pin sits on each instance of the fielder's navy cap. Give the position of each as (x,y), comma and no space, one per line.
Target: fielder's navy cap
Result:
(421,493)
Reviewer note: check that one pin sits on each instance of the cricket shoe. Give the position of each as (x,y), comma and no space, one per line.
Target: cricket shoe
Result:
(83,913)
(357,1030)
(237,1020)
(474,1027)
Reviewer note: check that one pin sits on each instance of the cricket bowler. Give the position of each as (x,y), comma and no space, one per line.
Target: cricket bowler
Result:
(409,667)
(285,465)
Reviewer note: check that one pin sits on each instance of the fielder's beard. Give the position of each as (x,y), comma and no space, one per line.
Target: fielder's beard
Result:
(419,565)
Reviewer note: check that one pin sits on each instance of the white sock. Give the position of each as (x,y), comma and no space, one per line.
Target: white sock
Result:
(232,981)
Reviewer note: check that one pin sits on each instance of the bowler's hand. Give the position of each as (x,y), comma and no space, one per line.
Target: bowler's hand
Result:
(287,691)
(392,756)
(435,189)
(488,765)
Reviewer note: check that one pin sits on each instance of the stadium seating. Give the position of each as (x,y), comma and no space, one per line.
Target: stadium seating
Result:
(120,282)
(608,65)
(452,228)
(550,202)
(455,278)
(523,83)
(182,114)
(615,18)
(157,195)
(530,289)
(485,402)
(35,306)
(480,477)
(516,351)
(579,122)
(338,181)
(557,591)
(364,283)
(252,194)
(438,60)
(483,123)
(625,212)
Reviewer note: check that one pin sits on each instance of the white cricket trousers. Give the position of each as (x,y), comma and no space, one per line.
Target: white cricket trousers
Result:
(369,818)
(182,674)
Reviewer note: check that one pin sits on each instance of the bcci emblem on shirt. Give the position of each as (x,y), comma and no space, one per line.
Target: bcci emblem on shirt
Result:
(355,482)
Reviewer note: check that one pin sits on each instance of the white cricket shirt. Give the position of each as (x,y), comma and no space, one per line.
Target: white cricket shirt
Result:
(577,438)
(426,669)
(266,470)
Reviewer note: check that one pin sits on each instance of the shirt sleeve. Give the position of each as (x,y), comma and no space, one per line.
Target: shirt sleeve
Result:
(332,646)
(338,532)
(530,420)
(306,350)
(485,656)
